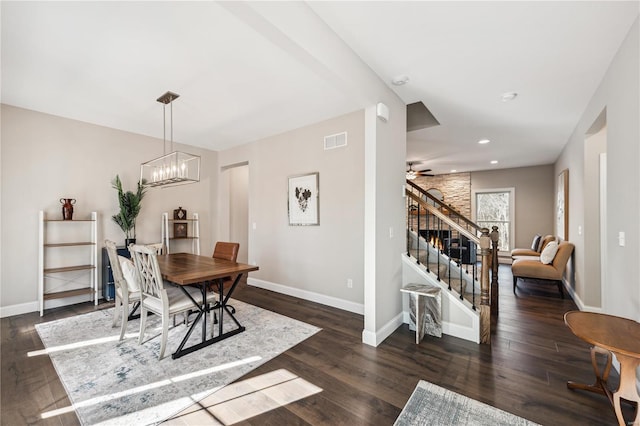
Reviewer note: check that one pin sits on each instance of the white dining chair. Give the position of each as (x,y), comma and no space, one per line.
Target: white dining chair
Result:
(164,300)
(157,247)
(127,288)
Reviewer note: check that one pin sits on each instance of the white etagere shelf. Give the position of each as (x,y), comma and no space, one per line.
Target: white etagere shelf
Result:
(55,234)
(192,233)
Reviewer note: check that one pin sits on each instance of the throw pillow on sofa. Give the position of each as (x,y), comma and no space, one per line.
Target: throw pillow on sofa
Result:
(536,242)
(549,252)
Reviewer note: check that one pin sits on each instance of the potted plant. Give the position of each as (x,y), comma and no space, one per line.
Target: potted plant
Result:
(130,204)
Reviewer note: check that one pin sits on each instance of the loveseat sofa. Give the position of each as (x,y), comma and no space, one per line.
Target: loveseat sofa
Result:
(545,265)
(538,244)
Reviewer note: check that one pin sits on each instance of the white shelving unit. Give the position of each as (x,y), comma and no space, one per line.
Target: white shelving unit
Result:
(192,234)
(67,250)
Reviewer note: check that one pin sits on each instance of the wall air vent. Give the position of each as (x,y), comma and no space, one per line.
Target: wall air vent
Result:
(335,141)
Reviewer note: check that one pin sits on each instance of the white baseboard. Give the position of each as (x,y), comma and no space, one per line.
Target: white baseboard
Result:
(581,305)
(369,338)
(465,333)
(451,329)
(345,305)
(374,339)
(22,308)
(25,308)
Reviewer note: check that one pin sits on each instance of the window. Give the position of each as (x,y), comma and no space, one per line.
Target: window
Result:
(495,207)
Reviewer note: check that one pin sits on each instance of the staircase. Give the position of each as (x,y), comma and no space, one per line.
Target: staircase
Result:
(446,249)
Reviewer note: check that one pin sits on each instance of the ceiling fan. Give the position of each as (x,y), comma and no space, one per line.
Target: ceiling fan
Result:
(412,174)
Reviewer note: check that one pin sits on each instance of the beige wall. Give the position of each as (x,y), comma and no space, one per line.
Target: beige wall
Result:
(534,195)
(619,95)
(316,260)
(45,157)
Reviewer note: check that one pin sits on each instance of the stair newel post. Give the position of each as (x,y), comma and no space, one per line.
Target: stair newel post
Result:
(408,225)
(418,236)
(485,308)
(495,235)
(437,243)
(427,222)
(474,269)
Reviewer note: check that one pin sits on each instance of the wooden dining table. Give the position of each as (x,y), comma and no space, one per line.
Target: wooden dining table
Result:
(610,334)
(183,269)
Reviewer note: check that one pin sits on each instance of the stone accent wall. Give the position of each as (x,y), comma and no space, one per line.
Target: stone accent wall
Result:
(456,188)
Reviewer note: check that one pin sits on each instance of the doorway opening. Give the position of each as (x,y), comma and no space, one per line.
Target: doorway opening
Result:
(234,215)
(595,213)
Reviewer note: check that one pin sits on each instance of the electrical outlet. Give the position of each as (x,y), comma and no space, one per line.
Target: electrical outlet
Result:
(349,283)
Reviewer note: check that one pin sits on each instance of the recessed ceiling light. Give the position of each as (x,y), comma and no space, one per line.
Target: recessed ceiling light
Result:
(494,161)
(483,141)
(509,96)
(400,80)
(453,170)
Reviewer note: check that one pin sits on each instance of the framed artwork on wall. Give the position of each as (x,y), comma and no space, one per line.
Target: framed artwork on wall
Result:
(562,205)
(304,200)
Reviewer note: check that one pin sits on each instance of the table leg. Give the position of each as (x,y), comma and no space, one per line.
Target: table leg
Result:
(600,385)
(132,314)
(419,326)
(205,310)
(202,312)
(627,388)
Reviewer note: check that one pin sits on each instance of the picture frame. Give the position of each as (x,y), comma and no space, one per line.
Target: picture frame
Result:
(304,199)
(180,230)
(562,205)
(179,214)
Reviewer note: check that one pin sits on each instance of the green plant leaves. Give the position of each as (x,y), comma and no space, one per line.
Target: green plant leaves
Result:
(130,205)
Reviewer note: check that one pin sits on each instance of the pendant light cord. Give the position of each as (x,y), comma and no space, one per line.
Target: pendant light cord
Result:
(171,105)
(164,129)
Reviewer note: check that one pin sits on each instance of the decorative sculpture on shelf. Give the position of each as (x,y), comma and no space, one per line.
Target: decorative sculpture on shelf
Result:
(67,208)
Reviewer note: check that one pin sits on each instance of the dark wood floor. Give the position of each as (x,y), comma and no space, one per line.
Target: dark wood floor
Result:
(524,371)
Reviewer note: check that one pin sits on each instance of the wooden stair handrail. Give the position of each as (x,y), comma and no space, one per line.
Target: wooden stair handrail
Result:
(436,212)
(447,206)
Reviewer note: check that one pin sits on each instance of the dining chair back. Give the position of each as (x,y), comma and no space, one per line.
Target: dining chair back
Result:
(155,296)
(226,250)
(127,290)
(157,247)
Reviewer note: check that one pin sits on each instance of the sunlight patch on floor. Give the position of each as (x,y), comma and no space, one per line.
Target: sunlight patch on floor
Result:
(143,388)
(78,345)
(85,343)
(242,400)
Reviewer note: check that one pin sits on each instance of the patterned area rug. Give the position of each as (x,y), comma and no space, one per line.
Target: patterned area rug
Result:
(111,382)
(435,406)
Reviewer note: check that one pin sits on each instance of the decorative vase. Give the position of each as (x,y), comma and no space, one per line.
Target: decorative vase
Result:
(67,208)
(128,241)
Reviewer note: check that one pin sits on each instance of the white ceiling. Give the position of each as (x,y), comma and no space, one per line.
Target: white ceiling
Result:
(245,70)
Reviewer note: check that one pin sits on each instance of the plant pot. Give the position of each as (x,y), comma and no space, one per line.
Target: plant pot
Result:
(128,241)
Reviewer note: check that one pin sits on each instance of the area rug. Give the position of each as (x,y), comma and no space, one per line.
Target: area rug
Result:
(435,406)
(112,382)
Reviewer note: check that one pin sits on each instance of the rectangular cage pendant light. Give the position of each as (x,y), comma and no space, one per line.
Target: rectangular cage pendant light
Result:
(175,168)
